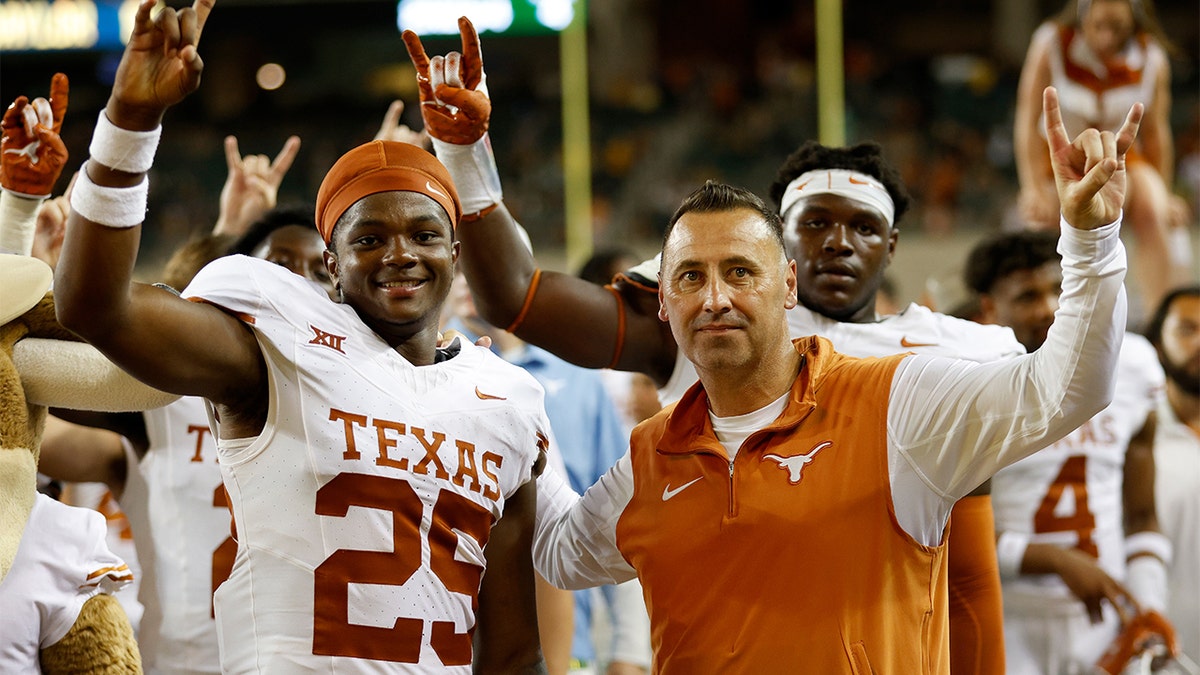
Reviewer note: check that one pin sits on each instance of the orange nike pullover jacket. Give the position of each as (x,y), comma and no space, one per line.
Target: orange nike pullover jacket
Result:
(788,559)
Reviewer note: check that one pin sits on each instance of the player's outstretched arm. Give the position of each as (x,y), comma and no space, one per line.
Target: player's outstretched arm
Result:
(575,319)
(506,634)
(988,416)
(169,343)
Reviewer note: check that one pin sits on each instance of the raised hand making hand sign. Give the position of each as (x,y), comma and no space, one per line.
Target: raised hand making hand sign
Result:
(457,110)
(453,88)
(161,64)
(32,154)
(1090,170)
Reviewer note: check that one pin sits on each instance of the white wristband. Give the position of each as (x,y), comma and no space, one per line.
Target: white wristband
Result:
(1149,542)
(122,149)
(1010,553)
(1146,579)
(110,206)
(473,168)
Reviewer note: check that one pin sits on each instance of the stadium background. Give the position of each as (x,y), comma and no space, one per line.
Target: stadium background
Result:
(681,91)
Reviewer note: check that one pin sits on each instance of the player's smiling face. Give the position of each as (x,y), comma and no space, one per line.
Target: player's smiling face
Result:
(392,260)
(841,249)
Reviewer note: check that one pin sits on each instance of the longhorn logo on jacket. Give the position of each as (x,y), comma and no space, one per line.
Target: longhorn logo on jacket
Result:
(795,464)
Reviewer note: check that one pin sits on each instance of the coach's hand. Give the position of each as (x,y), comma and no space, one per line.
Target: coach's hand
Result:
(1089,172)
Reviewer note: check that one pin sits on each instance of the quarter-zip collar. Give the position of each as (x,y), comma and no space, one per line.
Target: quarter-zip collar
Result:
(689,429)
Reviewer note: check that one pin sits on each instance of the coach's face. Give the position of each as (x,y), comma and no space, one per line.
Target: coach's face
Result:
(842,249)
(392,259)
(725,288)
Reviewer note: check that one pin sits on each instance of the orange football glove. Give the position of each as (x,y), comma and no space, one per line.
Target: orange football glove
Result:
(32,154)
(1147,630)
(453,89)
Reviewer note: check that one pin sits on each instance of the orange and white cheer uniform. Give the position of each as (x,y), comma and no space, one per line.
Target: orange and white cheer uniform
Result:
(1093,93)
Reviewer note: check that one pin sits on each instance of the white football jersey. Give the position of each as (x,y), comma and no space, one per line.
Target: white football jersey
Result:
(916,329)
(62,561)
(1070,493)
(362,510)
(176,505)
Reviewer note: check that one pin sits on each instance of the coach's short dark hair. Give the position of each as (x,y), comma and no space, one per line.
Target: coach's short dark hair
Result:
(714,197)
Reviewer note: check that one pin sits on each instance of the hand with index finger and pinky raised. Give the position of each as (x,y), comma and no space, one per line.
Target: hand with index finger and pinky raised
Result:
(252,185)
(1089,171)
(453,95)
(161,64)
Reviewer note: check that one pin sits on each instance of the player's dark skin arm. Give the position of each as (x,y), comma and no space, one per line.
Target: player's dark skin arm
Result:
(570,317)
(1137,489)
(169,343)
(76,454)
(131,425)
(506,632)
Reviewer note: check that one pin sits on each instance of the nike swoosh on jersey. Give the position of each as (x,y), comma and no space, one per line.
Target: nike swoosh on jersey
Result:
(429,186)
(669,493)
(905,342)
(489,397)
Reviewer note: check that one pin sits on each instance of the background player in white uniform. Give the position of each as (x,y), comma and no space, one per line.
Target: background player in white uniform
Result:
(62,561)
(1064,516)
(1174,329)
(165,474)
(367,471)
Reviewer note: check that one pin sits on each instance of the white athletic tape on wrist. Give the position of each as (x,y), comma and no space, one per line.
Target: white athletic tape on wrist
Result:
(1154,543)
(110,206)
(18,222)
(1010,553)
(473,168)
(1146,579)
(122,149)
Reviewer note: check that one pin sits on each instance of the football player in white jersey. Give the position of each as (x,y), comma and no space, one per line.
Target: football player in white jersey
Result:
(841,207)
(373,478)
(163,469)
(1078,540)
(1174,330)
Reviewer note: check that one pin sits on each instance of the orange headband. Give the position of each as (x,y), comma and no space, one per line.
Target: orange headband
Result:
(383,166)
